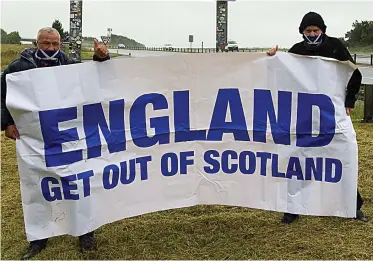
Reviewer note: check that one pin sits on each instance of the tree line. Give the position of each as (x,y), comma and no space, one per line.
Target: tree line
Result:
(15,38)
(360,35)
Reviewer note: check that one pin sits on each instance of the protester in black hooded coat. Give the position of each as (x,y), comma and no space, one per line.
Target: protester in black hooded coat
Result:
(317,43)
(329,47)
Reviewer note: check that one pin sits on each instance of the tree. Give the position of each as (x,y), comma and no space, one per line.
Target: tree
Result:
(115,40)
(13,38)
(58,26)
(65,36)
(361,34)
(120,39)
(4,36)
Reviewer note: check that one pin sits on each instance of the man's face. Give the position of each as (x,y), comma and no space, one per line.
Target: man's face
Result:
(49,41)
(312,30)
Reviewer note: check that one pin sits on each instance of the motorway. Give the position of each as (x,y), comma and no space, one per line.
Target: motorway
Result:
(367,72)
(136,53)
(361,59)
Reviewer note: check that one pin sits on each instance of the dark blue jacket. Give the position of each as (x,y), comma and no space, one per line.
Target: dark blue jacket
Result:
(26,61)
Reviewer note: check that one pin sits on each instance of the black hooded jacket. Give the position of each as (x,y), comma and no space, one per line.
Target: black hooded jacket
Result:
(27,61)
(332,48)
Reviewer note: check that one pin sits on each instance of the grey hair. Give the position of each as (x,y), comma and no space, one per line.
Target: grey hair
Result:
(47,30)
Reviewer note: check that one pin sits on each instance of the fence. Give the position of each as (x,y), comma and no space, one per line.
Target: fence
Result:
(358,58)
(363,59)
(183,50)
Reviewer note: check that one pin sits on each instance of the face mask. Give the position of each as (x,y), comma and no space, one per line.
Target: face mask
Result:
(48,55)
(313,40)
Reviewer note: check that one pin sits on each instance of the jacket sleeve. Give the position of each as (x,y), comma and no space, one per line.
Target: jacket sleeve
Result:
(6,118)
(291,50)
(296,49)
(353,86)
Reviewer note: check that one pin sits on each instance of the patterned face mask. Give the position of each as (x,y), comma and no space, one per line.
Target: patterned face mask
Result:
(48,55)
(313,40)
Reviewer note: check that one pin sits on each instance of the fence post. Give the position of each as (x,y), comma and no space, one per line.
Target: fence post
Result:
(368,104)
(371,59)
(355,57)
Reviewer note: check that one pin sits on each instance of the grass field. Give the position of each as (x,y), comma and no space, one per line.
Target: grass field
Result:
(204,232)
(367,50)
(10,52)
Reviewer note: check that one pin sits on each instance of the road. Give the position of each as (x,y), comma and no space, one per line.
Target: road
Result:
(367,73)
(364,59)
(136,53)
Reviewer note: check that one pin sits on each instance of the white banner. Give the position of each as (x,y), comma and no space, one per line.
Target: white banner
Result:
(101,142)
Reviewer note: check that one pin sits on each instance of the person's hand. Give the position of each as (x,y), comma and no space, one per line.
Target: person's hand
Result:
(100,50)
(12,132)
(348,111)
(273,51)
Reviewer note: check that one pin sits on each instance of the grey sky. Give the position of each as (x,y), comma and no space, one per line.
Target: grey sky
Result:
(154,23)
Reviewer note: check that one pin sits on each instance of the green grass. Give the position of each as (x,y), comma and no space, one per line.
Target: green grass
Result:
(10,52)
(366,50)
(202,232)
(205,232)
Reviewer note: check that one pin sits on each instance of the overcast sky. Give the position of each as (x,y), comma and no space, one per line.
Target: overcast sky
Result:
(155,23)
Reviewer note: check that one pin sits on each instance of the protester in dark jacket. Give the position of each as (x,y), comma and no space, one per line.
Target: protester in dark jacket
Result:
(46,54)
(34,58)
(317,43)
